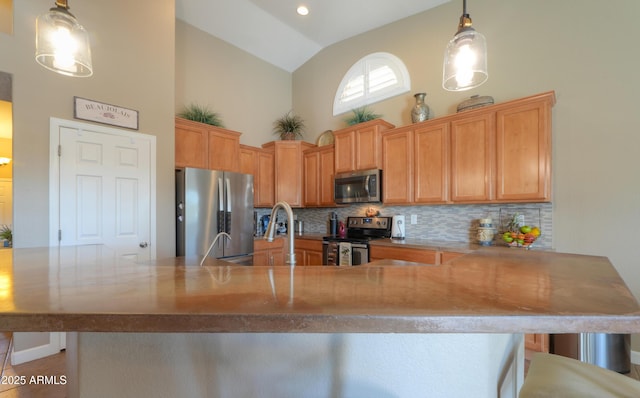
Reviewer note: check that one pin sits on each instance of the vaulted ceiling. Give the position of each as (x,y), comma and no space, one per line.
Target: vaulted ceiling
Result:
(273,31)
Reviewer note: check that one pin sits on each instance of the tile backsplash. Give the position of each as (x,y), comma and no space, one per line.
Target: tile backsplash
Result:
(454,223)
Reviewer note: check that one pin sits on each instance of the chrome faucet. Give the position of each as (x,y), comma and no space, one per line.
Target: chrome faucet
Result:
(213,244)
(271,230)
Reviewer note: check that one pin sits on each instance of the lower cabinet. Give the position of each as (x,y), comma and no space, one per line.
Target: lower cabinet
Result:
(308,252)
(536,342)
(403,253)
(445,257)
(268,253)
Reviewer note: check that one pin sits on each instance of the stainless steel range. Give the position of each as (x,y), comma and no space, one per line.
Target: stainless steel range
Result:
(354,248)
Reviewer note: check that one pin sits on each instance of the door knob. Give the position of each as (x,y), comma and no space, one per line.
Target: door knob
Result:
(144,244)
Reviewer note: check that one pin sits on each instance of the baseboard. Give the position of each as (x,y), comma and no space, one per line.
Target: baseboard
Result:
(635,357)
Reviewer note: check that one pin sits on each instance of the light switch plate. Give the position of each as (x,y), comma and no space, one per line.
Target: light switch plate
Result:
(414,219)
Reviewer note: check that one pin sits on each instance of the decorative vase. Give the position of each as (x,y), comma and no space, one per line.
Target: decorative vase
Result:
(420,111)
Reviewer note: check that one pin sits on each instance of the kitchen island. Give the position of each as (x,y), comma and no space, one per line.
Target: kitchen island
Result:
(170,327)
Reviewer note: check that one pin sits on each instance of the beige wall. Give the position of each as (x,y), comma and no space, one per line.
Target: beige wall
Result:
(248,93)
(133,57)
(534,46)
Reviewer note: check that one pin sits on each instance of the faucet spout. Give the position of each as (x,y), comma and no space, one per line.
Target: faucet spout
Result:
(271,230)
(213,244)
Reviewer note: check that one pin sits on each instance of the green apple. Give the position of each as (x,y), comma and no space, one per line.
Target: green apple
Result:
(507,239)
(525,229)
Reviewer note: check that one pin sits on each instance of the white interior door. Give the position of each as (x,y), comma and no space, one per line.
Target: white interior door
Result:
(106,188)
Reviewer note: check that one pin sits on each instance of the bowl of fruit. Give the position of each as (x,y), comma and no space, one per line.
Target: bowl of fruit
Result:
(523,236)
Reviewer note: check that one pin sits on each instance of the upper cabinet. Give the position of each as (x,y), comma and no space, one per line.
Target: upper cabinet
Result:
(289,178)
(205,146)
(260,163)
(473,157)
(496,154)
(359,147)
(318,176)
(523,138)
(416,161)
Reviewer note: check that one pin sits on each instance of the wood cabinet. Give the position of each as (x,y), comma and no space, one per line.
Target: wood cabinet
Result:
(496,154)
(205,146)
(536,342)
(431,149)
(318,166)
(288,174)
(269,253)
(260,163)
(308,252)
(397,166)
(424,256)
(359,147)
(473,158)
(417,158)
(523,139)
(445,257)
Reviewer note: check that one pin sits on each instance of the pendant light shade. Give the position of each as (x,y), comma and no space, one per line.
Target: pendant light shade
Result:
(62,44)
(465,59)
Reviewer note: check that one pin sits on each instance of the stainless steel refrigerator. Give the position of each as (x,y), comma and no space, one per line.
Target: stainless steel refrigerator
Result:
(209,202)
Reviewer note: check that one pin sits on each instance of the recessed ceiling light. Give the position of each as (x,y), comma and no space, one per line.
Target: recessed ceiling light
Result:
(302,10)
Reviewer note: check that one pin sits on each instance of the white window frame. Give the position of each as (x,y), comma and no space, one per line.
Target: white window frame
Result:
(361,70)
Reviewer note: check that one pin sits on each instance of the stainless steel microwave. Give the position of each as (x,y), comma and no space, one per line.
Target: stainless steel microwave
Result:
(358,186)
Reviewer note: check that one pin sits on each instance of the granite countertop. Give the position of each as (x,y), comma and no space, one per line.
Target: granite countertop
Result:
(91,288)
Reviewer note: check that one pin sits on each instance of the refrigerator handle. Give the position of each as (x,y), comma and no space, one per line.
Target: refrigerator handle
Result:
(220,206)
(228,212)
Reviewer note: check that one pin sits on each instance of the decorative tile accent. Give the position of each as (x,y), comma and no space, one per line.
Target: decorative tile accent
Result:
(455,223)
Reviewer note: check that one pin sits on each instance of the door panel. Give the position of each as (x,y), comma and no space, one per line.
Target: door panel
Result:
(105,188)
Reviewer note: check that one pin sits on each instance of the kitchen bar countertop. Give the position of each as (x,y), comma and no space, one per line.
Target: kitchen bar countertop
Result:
(90,288)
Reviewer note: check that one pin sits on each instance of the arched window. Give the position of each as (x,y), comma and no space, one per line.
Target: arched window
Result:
(372,79)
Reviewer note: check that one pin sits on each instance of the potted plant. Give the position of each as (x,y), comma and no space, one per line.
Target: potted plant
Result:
(202,114)
(289,126)
(360,115)
(6,235)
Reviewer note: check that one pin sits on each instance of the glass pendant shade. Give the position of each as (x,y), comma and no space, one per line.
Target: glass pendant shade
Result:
(62,44)
(465,61)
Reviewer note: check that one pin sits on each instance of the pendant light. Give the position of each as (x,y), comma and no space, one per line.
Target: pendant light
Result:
(465,59)
(62,44)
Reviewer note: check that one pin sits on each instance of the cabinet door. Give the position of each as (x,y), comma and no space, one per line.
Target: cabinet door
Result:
(524,152)
(422,256)
(326,171)
(311,166)
(536,342)
(249,162)
(397,167)
(313,257)
(344,144)
(288,172)
(368,150)
(192,143)
(224,150)
(264,188)
(431,164)
(473,158)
